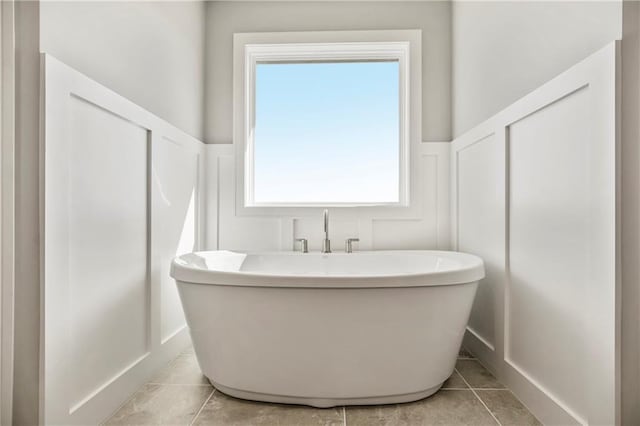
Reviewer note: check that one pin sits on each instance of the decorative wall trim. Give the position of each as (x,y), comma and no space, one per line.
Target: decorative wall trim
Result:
(494,261)
(164,203)
(599,75)
(431,213)
(116,377)
(575,417)
(481,339)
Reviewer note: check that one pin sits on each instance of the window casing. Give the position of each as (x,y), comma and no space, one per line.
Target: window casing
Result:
(254,55)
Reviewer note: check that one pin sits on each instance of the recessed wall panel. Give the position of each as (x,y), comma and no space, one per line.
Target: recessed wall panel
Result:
(480,225)
(404,235)
(174,199)
(108,291)
(550,244)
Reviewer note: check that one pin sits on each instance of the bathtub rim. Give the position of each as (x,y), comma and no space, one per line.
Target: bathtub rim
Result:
(472,271)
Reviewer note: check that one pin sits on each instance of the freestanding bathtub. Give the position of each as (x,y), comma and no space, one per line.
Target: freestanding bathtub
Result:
(374,327)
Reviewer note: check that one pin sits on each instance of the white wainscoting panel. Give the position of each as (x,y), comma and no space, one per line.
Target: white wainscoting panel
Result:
(423,225)
(480,230)
(534,193)
(175,174)
(121,197)
(107,227)
(550,250)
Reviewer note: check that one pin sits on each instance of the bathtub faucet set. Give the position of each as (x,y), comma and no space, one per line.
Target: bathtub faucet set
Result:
(326,243)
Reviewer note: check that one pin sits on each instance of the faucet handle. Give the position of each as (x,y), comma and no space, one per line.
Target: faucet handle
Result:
(304,246)
(348,244)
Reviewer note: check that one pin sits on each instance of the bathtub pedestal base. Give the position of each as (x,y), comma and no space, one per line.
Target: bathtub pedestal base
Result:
(326,402)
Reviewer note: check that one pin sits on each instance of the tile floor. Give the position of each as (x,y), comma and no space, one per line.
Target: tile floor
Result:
(180,395)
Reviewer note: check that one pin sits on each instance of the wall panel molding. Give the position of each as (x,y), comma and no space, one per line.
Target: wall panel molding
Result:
(534,194)
(117,207)
(427,226)
(479,228)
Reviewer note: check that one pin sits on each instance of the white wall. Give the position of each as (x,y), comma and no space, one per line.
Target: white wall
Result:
(150,52)
(225,18)
(504,50)
(535,194)
(122,199)
(116,43)
(424,226)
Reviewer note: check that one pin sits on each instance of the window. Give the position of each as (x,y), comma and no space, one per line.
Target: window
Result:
(326,124)
(326,132)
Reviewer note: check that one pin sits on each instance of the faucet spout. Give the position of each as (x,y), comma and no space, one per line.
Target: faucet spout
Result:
(326,244)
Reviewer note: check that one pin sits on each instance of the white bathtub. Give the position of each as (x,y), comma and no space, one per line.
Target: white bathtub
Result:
(327,329)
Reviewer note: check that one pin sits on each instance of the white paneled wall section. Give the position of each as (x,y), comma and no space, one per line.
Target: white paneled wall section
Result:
(423,226)
(535,195)
(122,197)
(532,191)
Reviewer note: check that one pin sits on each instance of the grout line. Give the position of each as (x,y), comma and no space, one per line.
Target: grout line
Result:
(491,389)
(344,415)
(105,421)
(479,389)
(456,389)
(177,384)
(202,408)
(479,399)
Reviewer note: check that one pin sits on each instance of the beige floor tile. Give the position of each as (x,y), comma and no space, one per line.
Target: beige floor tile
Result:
(158,404)
(507,409)
(189,351)
(455,382)
(224,410)
(184,370)
(446,407)
(476,375)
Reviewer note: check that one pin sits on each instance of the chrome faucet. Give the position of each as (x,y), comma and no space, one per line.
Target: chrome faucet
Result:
(348,244)
(326,244)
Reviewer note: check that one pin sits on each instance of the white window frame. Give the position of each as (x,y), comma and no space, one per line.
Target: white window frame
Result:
(397,45)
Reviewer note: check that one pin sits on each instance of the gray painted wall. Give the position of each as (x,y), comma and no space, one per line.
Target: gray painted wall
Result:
(226,18)
(26,345)
(504,50)
(630,215)
(150,52)
(478,57)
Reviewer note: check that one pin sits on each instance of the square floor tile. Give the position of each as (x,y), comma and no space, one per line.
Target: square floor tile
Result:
(455,382)
(189,351)
(157,404)
(184,370)
(446,407)
(476,375)
(223,410)
(507,408)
